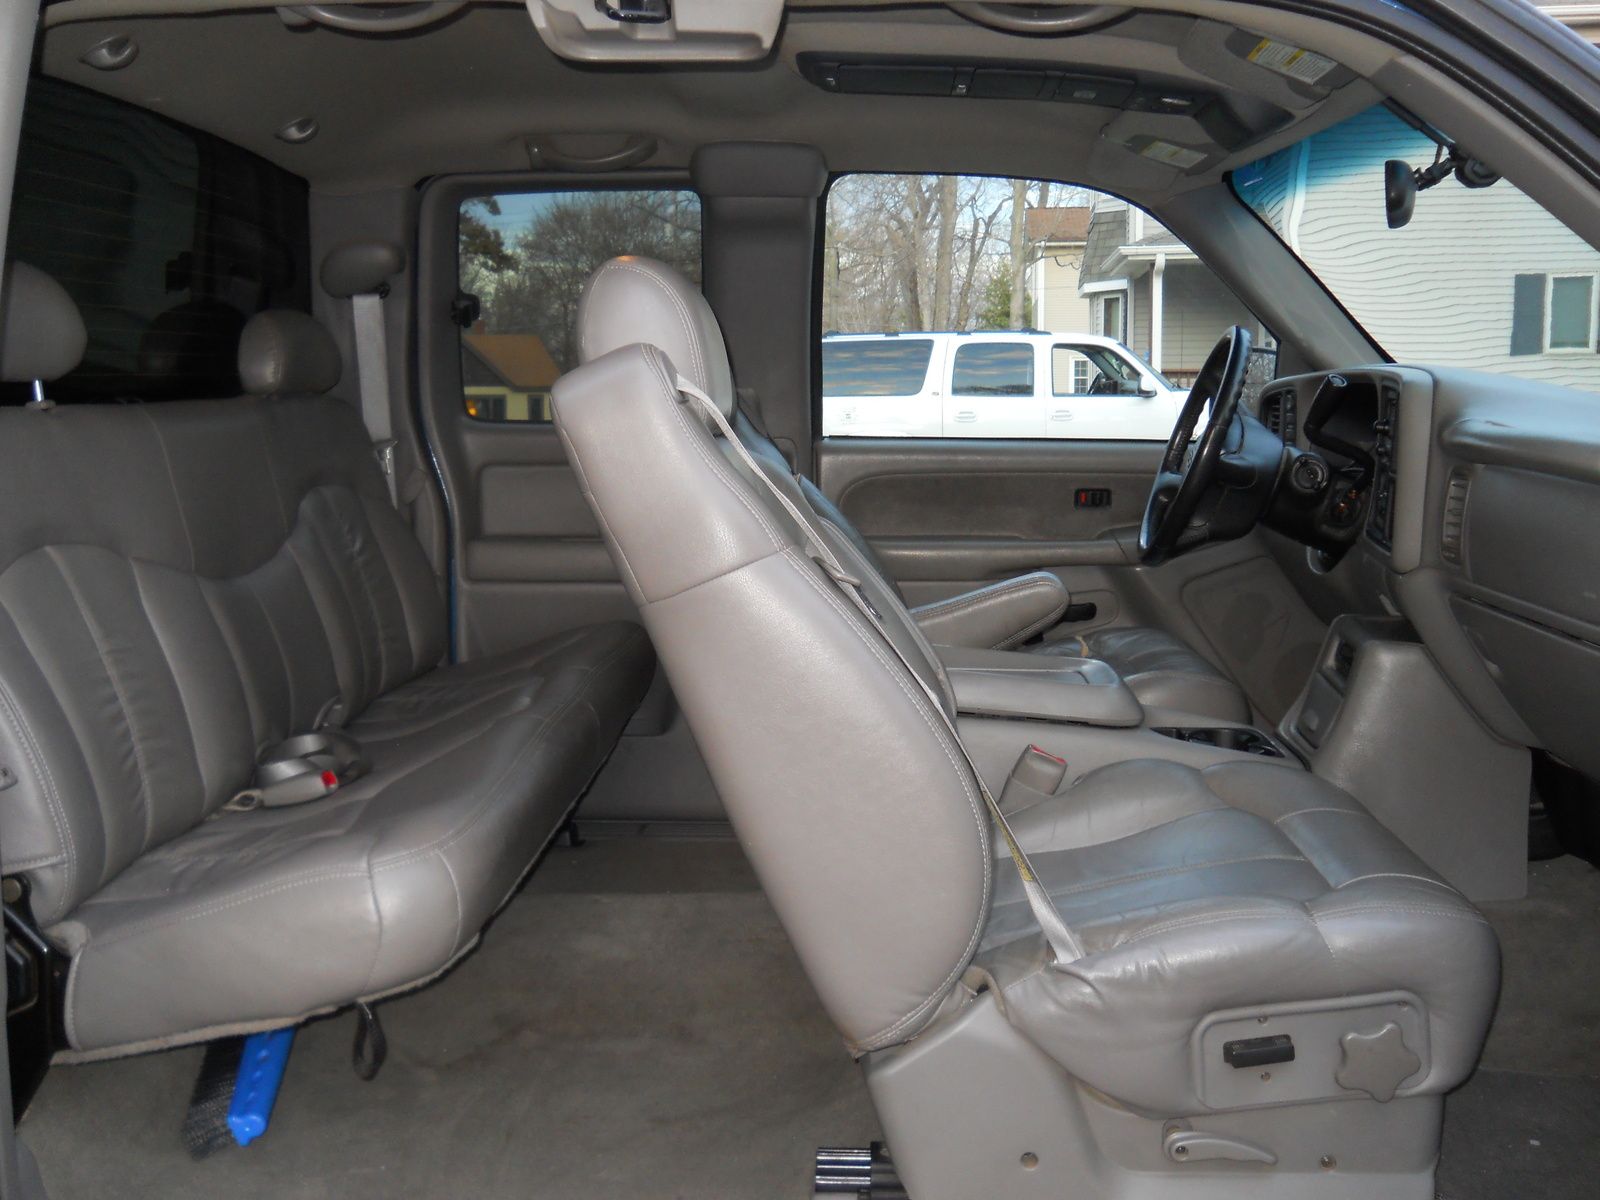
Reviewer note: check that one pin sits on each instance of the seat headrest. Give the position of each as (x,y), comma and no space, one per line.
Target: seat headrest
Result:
(631,300)
(41,331)
(360,268)
(283,352)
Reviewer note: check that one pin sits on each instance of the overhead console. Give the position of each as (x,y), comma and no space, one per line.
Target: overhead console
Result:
(1176,123)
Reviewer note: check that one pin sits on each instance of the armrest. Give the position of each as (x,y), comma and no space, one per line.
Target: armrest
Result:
(998,616)
(1082,691)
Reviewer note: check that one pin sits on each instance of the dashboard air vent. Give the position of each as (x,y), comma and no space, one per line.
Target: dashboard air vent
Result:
(1455,515)
(1277,414)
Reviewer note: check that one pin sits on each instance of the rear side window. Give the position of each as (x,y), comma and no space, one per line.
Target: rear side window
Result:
(524,257)
(993,369)
(887,367)
(167,238)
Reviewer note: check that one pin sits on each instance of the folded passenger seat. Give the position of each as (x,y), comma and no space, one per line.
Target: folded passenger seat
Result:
(183,587)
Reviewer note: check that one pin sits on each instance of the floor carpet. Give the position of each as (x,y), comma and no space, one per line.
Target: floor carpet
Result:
(636,1025)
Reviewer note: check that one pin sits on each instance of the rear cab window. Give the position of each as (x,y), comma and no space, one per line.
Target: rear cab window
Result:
(523,260)
(166,238)
(1091,288)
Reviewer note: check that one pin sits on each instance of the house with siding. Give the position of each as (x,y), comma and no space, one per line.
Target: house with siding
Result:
(1480,278)
(1056,236)
(1144,287)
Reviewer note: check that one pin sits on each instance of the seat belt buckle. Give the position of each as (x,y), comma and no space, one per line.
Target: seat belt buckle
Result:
(1037,771)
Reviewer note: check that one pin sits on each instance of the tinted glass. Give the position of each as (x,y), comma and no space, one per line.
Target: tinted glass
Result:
(993,369)
(526,257)
(168,239)
(891,367)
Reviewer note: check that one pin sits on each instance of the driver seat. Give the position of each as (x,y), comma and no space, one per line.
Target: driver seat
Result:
(646,301)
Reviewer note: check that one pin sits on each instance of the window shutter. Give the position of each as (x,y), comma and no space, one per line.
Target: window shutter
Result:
(1527,315)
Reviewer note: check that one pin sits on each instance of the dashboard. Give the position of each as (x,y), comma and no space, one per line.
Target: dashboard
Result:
(1472,501)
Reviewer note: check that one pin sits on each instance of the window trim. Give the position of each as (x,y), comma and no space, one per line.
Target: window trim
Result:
(1549,312)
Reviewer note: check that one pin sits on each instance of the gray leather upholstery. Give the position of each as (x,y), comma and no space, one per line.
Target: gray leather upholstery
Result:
(1162,671)
(1240,885)
(996,617)
(359,268)
(639,300)
(283,352)
(42,335)
(632,300)
(183,585)
(1249,884)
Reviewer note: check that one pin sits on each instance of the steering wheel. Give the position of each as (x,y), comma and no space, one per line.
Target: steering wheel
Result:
(1184,477)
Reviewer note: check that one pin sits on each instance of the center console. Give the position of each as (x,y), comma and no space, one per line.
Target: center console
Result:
(1080,710)
(1379,719)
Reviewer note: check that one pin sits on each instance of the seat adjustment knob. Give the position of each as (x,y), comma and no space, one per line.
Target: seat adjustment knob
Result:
(1376,1063)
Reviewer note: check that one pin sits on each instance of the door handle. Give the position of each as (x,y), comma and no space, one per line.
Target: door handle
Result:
(1061,414)
(966,416)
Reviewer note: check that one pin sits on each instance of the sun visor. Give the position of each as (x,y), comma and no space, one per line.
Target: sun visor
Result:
(657,30)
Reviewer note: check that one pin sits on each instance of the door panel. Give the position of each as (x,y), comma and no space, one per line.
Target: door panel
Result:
(975,490)
(947,516)
(531,561)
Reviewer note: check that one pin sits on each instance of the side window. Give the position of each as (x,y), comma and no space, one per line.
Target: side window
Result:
(1091,371)
(875,366)
(1055,266)
(167,238)
(993,369)
(525,257)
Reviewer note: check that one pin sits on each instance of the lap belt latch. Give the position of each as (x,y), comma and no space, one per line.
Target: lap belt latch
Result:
(306,767)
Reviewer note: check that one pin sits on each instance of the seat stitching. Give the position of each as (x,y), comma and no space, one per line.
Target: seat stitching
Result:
(377,917)
(461,909)
(1413,909)
(1300,812)
(172,478)
(1212,918)
(146,802)
(536,741)
(1156,873)
(979,596)
(277,641)
(1400,875)
(1043,623)
(683,315)
(177,688)
(153,925)
(937,994)
(29,742)
(711,457)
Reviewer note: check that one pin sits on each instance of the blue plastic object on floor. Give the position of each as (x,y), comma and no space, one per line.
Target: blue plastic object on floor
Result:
(260,1072)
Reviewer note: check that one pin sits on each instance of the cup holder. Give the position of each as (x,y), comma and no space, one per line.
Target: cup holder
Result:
(1227,737)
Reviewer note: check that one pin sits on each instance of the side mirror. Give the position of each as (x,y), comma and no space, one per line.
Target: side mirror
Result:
(1146,391)
(1399,192)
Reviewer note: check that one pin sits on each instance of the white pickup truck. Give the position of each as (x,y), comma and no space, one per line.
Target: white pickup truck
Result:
(1011,384)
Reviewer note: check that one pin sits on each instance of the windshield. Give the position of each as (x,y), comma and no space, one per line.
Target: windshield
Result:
(1480,277)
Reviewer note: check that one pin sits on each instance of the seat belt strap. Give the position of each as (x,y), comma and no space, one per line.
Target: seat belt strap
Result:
(372,374)
(1063,943)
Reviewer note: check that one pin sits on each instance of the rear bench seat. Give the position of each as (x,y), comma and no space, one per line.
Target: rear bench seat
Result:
(184,584)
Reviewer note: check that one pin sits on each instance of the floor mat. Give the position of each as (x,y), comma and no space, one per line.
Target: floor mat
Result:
(603,1042)
(1508,1136)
